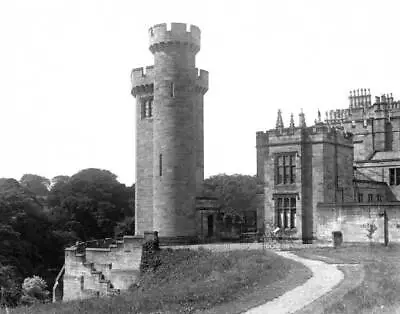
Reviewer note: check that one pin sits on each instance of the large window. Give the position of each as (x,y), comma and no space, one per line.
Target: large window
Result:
(285,211)
(394,176)
(285,169)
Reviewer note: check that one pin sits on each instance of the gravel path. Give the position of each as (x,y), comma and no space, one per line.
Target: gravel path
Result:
(325,277)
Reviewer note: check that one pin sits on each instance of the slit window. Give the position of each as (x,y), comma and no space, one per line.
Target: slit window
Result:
(172,89)
(160,165)
(147,108)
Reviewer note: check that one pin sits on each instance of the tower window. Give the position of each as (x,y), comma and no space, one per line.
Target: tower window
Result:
(172,89)
(147,108)
(160,165)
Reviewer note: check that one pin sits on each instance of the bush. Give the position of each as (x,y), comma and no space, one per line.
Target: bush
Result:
(34,289)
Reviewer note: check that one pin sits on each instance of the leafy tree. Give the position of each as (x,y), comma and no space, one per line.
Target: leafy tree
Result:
(236,192)
(125,227)
(90,202)
(9,282)
(36,184)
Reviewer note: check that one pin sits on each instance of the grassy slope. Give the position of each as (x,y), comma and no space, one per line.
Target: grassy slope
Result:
(380,291)
(197,280)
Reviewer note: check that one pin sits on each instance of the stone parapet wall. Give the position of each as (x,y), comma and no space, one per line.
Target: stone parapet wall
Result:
(101,267)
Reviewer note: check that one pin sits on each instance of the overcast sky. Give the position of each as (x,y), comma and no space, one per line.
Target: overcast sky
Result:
(65,101)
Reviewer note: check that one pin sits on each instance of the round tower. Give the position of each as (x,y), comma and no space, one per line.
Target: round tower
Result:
(178,160)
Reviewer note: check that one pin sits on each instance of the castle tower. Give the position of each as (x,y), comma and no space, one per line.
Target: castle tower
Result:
(169,131)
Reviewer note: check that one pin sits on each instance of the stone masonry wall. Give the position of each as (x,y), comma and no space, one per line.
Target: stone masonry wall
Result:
(144,169)
(101,271)
(353,220)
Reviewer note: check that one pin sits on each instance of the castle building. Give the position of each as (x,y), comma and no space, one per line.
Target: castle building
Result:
(340,174)
(170,136)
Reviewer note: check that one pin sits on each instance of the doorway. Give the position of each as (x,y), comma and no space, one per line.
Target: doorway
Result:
(210,226)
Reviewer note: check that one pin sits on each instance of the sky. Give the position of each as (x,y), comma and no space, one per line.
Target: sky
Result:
(65,101)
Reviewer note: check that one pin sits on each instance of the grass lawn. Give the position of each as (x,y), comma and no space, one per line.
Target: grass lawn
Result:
(380,290)
(188,281)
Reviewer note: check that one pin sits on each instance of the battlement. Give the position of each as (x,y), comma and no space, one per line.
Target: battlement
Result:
(177,33)
(202,79)
(324,132)
(142,76)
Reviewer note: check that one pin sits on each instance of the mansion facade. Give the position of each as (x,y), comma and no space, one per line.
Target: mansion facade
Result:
(339,174)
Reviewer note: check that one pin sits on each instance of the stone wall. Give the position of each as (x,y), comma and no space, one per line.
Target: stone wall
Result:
(354,219)
(101,269)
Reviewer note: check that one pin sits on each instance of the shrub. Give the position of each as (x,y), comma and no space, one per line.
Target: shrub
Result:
(34,289)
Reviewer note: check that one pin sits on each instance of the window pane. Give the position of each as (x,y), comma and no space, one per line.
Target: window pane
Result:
(280,175)
(287,218)
(391,176)
(292,160)
(287,174)
(397,176)
(286,202)
(292,174)
(292,202)
(280,218)
(293,218)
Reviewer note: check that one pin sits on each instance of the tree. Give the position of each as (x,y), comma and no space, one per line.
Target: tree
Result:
(236,192)
(92,201)
(36,184)
(125,227)
(10,286)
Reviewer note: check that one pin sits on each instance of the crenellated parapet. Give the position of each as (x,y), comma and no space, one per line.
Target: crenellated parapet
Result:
(161,36)
(142,80)
(201,81)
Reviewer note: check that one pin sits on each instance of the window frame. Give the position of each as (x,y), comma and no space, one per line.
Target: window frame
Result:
(394,176)
(285,211)
(285,168)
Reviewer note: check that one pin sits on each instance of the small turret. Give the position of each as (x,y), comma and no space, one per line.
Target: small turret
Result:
(302,119)
(279,122)
(291,121)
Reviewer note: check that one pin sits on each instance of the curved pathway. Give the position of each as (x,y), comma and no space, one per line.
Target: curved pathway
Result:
(325,277)
(305,298)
